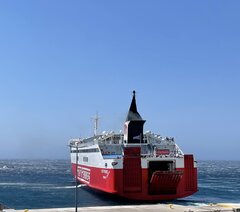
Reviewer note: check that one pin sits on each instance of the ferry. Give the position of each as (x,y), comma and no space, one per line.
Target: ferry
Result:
(134,164)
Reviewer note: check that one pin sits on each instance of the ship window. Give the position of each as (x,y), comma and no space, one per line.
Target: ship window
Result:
(85,159)
(86,150)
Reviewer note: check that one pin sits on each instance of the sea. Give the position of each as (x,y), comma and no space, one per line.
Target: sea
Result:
(26,184)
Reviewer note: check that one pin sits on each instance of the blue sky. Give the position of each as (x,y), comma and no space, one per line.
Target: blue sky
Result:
(62,61)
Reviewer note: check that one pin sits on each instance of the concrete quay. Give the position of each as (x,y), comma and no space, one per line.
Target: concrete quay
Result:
(225,207)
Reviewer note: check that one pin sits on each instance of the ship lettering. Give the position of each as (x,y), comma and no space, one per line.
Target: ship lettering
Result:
(84,174)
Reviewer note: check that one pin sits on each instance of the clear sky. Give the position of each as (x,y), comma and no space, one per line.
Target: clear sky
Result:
(62,61)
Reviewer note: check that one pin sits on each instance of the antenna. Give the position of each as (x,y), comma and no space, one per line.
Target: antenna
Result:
(96,119)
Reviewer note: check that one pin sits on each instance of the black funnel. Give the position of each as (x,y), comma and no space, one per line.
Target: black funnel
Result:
(133,127)
(133,114)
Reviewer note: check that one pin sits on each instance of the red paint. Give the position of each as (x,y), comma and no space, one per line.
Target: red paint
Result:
(165,182)
(190,173)
(162,152)
(132,171)
(132,151)
(113,181)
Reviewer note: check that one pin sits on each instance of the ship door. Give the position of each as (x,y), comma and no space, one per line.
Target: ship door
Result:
(132,171)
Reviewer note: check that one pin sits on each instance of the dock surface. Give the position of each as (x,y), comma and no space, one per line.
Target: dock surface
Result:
(149,208)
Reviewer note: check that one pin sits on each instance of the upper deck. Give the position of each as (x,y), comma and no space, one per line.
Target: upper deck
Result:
(112,144)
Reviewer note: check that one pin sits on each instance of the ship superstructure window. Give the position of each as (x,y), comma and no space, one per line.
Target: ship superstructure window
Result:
(85,159)
(86,150)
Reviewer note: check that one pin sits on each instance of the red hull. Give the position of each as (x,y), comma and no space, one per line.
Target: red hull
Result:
(136,185)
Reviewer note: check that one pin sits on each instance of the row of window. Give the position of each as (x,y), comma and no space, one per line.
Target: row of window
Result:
(85,150)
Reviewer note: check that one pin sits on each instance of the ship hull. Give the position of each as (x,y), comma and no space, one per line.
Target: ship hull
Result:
(135,183)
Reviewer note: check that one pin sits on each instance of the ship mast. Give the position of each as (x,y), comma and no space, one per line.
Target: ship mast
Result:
(96,119)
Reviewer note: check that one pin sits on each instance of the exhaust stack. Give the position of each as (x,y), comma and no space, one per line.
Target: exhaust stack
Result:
(133,127)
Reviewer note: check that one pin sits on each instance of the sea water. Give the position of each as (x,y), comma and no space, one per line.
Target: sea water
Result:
(49,184)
